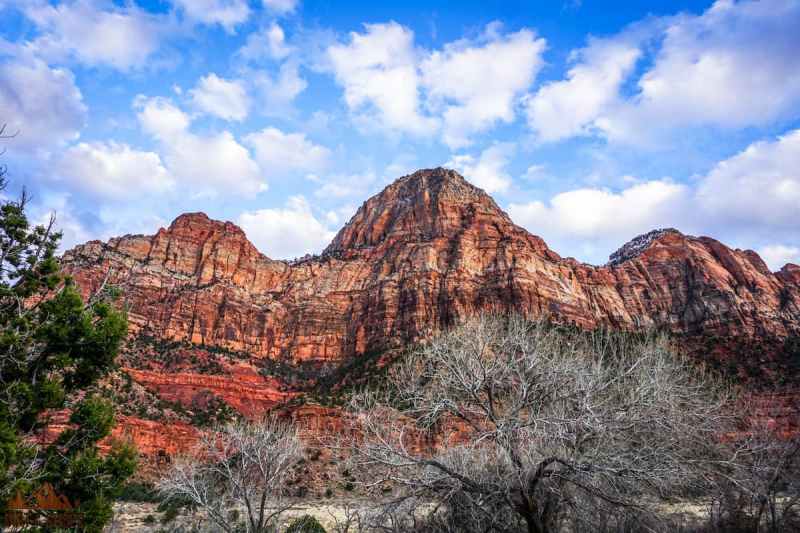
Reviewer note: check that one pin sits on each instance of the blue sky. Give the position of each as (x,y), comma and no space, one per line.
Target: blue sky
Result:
(589,122)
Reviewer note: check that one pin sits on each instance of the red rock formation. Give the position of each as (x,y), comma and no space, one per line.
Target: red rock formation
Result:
(247,393)
(427,250)
(151,437)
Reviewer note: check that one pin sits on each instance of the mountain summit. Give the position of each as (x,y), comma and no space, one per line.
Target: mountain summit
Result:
(422,206)
(427,251)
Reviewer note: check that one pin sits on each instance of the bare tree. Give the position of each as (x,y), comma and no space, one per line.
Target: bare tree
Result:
(241,468)
(510,424)
(760,489)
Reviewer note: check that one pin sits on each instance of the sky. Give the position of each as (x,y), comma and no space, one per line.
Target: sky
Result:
(589,122)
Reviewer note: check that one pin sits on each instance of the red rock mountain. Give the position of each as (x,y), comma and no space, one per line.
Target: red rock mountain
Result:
(427,250)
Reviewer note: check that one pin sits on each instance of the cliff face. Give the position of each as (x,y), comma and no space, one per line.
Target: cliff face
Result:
(427,250)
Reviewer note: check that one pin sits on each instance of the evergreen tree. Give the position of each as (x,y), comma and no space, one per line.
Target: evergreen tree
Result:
(53,347)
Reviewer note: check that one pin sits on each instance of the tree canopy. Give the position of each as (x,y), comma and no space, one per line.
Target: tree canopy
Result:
(54,346)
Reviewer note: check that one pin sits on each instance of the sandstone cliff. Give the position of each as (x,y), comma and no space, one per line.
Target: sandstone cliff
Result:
(427,250)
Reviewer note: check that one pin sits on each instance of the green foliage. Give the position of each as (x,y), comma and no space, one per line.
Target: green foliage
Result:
(53,346)
(305,524)
(139,491)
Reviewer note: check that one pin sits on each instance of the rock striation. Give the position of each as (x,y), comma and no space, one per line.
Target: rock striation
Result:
(426,251)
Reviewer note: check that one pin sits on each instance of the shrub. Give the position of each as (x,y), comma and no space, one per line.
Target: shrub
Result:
(305,524)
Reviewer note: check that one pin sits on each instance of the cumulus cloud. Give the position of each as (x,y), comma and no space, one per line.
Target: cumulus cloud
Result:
(161,118)
(226,13)
(286,152)
(488,170)
(465,88)
(208,164)
(276,93)
(569,107)
(95,33)
(476,84)
(735,65)
(757,188)
(80,225)
(215,164)
(226,99)
(345,185)
(752,196)
(73,230)
(42,103)
(597,213)
(113,171)
(269,42)
(777,255)
(287,232)
(281,7)
(378,71)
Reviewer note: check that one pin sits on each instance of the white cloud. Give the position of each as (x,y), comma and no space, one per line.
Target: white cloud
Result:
(268,42)
(213,165)
(281,7)
(735,65)
(95,33)
(751,197)
(345,185)
(161,118)
(595,221)
(535,173)
(337,190)
(72,229)
(488,170)
(288,232)
(600,213)
(98,222)
(777,255)
(226,13)
(226,99)
(567,108)
(340,215)
(757,188)
(280,152)
(467,87)
(378,71)
(112,170)
(43,104)
(207,165)
(277,94)
(475,85)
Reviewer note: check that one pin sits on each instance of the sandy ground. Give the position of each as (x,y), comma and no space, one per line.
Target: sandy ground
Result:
(331,513)
(144,517)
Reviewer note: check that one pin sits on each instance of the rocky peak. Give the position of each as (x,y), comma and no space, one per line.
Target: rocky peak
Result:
(422,206)
(790,273)
(200,223)
(438,182)
(639,244)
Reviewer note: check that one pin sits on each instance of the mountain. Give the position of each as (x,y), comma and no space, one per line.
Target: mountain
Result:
(213,320)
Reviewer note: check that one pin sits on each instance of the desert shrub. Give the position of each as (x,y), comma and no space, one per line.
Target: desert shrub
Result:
(305,524)
(139,491)
(241,465)
(760,487)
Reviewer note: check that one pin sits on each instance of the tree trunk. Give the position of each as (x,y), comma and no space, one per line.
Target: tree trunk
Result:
(532,520)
